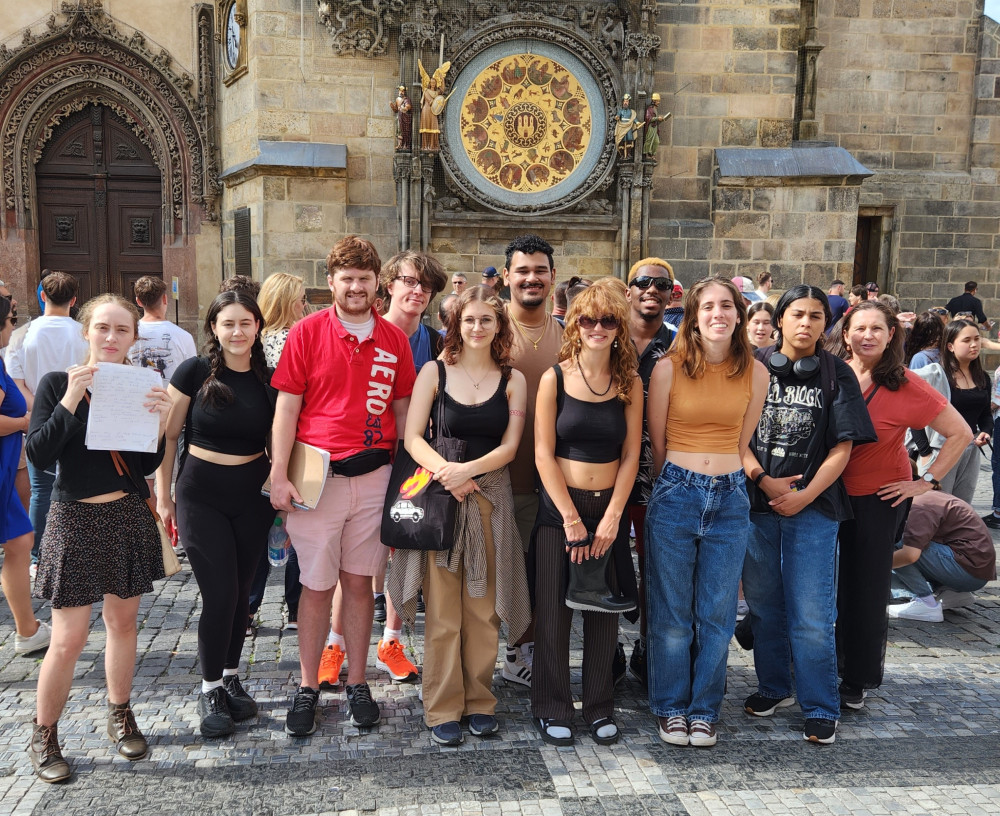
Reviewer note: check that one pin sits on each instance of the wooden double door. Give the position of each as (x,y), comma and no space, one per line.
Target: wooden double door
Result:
(99,204)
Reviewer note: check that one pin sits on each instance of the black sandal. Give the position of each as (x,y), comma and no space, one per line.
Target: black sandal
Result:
(543,724)
(596,725)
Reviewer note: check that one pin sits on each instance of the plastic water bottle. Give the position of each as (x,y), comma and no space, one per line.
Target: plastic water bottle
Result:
(277,544)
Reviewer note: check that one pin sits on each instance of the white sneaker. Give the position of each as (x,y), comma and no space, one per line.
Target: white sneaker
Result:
(952,599)
(517,666)
(33,570)
(35,643)
(917,610)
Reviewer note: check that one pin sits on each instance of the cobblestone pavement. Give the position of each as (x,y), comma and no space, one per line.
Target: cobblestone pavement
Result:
(926,742)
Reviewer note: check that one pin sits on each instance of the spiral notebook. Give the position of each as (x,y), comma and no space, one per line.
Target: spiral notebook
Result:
(307,469)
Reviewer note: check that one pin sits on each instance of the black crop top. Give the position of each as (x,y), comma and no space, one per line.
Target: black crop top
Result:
(239,428)
(482,426)
(588,431)
(56,435)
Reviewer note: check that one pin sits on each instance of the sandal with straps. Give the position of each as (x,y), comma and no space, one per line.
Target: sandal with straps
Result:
(545,723)
(597,725)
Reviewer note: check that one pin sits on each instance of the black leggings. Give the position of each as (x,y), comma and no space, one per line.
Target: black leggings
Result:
(223,521)
(866,546)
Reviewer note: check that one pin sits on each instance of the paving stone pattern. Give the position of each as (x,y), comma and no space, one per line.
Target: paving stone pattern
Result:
(926,742)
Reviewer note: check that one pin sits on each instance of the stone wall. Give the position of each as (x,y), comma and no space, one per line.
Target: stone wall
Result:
(898,88)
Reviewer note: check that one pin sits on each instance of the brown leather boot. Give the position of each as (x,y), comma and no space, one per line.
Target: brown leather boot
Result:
(125,733)
(45,754)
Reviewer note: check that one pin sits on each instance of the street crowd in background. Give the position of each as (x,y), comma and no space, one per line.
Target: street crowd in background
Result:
(796,467)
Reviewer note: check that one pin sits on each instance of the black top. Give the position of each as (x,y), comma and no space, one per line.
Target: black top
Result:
(56,435)
(974,406)
(967,302)
(588,431)
(801,422)
(657,347)
(482,425)
(239,428)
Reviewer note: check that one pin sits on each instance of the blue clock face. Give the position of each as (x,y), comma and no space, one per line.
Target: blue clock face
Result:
(232,38)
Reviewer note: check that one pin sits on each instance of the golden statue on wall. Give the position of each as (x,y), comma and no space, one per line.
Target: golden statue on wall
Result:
(525,123)
(432,105)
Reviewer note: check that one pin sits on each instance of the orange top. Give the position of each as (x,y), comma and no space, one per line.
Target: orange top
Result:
(706,414)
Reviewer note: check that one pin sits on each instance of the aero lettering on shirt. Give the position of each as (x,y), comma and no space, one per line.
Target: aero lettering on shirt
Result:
(381,382)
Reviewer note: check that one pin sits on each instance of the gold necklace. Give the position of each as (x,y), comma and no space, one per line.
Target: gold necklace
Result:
(524,334)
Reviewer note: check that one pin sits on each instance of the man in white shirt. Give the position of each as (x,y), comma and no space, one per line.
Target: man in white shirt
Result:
(54,342)
(161,345)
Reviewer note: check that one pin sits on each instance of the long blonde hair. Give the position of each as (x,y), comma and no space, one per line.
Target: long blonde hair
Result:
(277,300)
(604,297)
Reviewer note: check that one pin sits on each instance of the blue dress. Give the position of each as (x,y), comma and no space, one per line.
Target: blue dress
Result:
(14,520)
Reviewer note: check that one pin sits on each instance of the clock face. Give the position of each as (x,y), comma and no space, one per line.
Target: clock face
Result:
(232,38)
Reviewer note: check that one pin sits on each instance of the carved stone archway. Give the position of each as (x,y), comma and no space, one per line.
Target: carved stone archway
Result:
(85,57)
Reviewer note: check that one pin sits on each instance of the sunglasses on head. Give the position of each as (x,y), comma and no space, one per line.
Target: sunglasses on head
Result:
(662,284)
(608,322)
(940,311)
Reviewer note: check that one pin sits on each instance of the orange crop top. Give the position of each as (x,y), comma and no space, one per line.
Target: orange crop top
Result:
(706,415)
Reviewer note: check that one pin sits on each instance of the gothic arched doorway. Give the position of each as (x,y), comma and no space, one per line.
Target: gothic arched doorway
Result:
(99,204)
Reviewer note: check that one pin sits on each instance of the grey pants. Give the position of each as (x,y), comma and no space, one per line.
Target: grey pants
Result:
(961,480)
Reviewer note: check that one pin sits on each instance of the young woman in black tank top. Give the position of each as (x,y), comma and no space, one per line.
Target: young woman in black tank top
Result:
(481,580)
(587,438)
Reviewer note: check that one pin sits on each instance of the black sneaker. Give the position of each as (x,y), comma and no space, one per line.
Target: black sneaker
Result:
(823,732)
(761,706)
(301,718)
(637,664)
(744,634)
(421,606)
(364,710)
(241,705)
(619,665)
(992,521)
(852,697)
(216,719)
(380,609)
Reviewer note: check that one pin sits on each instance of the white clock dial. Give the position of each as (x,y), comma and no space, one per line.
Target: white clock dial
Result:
(232,38)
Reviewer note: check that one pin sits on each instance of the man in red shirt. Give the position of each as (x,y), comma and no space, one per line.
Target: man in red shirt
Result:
(344,383)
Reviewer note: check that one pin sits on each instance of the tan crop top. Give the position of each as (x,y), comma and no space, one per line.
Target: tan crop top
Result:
(706,415)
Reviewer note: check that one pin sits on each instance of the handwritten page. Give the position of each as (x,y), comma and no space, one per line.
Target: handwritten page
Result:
(118,419)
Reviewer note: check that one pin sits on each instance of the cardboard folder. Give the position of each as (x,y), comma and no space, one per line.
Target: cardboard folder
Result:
(307,469)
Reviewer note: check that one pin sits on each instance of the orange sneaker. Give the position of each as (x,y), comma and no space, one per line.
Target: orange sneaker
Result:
(330,664)
(391,658)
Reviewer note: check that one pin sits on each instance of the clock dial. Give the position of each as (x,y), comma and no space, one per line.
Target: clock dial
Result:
(232,38)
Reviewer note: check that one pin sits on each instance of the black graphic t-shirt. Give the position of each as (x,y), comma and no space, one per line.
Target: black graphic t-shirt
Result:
(797,430)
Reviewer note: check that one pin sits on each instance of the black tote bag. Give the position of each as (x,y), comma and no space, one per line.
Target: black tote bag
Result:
(419,514)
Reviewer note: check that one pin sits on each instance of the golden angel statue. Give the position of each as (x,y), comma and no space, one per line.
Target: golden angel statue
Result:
(432,105)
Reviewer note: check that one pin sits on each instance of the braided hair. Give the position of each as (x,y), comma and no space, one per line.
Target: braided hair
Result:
(213,391)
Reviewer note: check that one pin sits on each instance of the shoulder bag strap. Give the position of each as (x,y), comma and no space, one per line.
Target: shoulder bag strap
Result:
(440,428)
(560,387)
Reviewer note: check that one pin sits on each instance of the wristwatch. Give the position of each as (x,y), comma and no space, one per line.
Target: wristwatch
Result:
(934,483)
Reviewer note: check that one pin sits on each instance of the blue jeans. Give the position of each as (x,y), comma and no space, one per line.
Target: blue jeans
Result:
(790,583)
(696,537)
(38,507)
(936,568)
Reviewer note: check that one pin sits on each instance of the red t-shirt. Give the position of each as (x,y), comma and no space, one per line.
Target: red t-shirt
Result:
(347,388)
(914,405)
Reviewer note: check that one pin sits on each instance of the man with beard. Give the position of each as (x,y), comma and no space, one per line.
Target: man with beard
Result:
(529,273)
(344,383)
(650,287)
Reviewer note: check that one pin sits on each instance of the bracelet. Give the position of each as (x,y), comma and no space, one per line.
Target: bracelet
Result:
(573,523)
(759,477)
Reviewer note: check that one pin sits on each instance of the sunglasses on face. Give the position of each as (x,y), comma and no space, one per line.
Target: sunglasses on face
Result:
(644,281)
(412,283)
(608,322)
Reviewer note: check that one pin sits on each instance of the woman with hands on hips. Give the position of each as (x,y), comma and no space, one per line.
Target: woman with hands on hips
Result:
(101,542)
(812,417)
(588,426)
(480,581)
(879,484)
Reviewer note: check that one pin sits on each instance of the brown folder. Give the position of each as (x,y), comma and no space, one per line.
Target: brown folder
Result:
(307,470)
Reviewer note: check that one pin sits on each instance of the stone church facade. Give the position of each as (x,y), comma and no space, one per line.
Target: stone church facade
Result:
(851,139)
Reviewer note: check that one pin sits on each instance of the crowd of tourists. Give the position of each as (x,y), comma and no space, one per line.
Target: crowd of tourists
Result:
(755,445)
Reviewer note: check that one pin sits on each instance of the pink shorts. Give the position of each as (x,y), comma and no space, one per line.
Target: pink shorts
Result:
(342,533)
